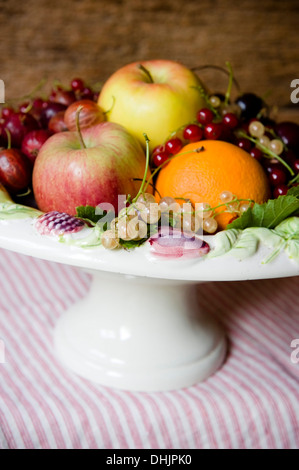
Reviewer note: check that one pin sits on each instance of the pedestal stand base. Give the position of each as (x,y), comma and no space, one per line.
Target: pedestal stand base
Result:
(140,334)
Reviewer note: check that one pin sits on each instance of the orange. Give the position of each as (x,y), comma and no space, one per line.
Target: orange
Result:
(203,176)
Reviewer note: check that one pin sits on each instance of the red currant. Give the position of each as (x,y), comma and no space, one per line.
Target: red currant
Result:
(160,157)
(256,153)
(205,116)
(230,120)
(24,107)
(193,133)
(213,131)
(173,146)
(87,93)
(38,103)
(280,190)
(244,144)
(296,165)
(7,112)
(159,148)
(277,177)
(77,84)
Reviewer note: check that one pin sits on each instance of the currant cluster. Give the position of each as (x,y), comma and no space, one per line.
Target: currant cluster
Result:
(144,216)
(25,127)
(244,123)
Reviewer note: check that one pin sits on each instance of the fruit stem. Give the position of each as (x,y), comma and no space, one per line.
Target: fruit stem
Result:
(216,67)
(230,83)
(267,151)
(8,139)
(151,184)
(294,180)
(141,67)
(197,150)
(38,87)
(83,146)
(206,97)
(144,183)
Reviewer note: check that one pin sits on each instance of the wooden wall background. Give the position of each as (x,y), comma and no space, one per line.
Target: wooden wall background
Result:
(61,39)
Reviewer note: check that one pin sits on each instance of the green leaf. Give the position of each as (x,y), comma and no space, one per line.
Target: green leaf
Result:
(294,191)
(269,214)
(224,241)
(129,244)
(90,214)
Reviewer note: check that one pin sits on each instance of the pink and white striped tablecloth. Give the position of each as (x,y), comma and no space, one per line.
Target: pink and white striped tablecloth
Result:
(252,402)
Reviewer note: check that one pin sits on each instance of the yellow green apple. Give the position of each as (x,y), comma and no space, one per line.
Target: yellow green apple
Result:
(155,97)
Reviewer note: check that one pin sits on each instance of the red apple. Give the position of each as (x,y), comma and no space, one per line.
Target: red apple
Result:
(67,175)
(155,97)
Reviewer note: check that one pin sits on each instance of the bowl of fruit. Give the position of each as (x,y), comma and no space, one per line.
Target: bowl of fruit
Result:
(155,185)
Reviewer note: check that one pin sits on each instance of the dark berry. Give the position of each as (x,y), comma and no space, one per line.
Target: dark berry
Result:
(280,190)
(160,157)
(244,144)
(289,156)
(18,125)
(296,165)
(205,116)
(173,146)
(15,170)
(6,112)
(277,177)
(250,105)
(256,153)
(65,97)
(33,141)
(213,131)
(87,94)
(77,84)
(230,120)
(193,133)
(51,110)
(289,134)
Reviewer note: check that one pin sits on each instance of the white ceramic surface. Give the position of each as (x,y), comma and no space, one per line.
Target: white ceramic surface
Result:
(140,334)
(139,327)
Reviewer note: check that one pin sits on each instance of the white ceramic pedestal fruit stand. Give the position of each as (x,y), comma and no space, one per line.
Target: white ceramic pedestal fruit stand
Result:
(140,326)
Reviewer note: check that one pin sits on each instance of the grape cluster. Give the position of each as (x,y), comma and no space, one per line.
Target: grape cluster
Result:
(25,127)
(245,124)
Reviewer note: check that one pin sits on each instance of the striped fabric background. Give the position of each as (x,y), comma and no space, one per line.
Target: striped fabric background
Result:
(252,402)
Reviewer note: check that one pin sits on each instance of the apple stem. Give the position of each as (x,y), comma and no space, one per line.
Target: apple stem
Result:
(83,146)
(111,107)
(141,67)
